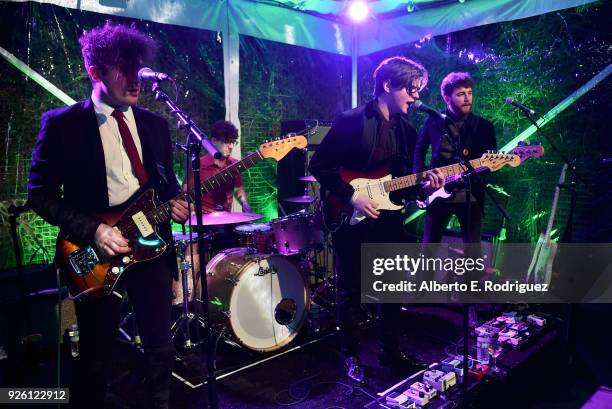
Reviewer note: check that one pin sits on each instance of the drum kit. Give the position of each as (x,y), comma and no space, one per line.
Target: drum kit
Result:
(260,292)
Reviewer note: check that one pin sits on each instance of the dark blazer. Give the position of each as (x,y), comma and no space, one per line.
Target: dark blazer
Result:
(477,135)
(67,183)
(350,144)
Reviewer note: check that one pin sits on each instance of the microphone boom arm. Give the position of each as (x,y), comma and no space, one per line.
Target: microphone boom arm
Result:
(185,122)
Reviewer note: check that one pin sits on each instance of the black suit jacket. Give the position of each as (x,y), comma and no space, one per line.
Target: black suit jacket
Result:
(350,144)
(67,183)
(477,135)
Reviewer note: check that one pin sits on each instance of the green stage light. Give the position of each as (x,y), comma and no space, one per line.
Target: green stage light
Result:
(39,79)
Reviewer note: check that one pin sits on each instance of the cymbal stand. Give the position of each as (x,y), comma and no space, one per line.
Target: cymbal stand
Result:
(183,323)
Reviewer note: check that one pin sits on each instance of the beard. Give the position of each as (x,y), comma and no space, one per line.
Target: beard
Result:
(461,109)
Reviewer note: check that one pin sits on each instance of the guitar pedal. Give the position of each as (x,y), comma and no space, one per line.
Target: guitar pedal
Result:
(536,320)
(478,371)
(418,397)
(395,399)
(426,389)
(439,380)
(452,365)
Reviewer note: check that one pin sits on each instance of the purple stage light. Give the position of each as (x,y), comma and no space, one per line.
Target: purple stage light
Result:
(358,10)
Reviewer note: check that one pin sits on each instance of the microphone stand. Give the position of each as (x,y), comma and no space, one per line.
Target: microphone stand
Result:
(566,238)
(196,139)
(570,164)
(456,141)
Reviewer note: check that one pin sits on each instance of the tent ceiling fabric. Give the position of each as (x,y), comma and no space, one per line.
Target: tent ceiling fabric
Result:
(336,8)
(297,22)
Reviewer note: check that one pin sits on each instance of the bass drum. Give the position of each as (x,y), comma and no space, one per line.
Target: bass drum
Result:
(262,299)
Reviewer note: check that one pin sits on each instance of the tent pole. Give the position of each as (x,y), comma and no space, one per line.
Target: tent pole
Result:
(354,55)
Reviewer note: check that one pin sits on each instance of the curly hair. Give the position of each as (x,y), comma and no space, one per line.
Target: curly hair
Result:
(224,131)
(115,45)
(401,72)
(455,80)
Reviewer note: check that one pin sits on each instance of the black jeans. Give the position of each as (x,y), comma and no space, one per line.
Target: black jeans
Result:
(439,214)
(388,228)
(149,289)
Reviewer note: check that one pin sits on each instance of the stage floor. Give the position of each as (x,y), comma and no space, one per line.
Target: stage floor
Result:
(312,376)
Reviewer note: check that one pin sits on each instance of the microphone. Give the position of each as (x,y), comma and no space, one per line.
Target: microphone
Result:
(427,109)
(146,73)
(527,111)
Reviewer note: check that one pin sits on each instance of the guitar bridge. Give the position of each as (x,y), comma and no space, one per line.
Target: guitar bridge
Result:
(83,260)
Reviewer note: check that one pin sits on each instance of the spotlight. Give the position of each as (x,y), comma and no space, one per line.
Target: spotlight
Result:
(410,6)
(358,10)
(461,1)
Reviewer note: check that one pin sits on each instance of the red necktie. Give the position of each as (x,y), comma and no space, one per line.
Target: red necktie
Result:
(130,148)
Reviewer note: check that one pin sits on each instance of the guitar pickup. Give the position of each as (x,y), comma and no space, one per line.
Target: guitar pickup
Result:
(142,223)
(83,260)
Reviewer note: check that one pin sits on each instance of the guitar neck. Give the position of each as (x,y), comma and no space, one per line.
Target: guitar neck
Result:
(451,173)
(228,173)
(162,213)
(553,210)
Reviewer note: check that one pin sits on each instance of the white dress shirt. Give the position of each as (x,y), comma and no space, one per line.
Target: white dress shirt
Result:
(120,179)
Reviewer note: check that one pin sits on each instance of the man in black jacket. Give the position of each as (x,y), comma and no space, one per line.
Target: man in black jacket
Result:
(462,136)
(90,157)
(367,138)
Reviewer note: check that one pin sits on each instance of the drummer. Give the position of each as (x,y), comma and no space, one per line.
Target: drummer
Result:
(224,136)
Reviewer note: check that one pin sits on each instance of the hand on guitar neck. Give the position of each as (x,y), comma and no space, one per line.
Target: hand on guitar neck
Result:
(180,210)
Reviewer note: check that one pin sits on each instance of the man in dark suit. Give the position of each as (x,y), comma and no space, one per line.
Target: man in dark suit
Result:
(366,138)
(90,157)
(462,136)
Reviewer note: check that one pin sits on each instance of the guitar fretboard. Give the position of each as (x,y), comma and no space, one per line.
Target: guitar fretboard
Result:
(162,213)
(451,173)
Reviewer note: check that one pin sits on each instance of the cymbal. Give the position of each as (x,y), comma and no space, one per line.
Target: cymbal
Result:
(304,199)
(222,217)
(308,178)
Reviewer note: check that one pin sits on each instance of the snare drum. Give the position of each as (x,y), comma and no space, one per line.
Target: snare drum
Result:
(262,299)
(256,236)
(297,233)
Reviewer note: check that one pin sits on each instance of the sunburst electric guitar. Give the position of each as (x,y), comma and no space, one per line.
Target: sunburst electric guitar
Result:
(90,273)
(378,184)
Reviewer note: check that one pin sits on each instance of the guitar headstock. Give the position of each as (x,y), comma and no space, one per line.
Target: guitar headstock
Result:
(279,147)
(528,151)
(495,160)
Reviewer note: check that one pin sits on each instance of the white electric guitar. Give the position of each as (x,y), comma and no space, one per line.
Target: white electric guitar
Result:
(378,184)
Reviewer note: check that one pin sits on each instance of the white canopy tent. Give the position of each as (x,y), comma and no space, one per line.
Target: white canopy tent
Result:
(318,24)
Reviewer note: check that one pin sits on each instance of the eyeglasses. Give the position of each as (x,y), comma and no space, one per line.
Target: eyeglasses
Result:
(413,92)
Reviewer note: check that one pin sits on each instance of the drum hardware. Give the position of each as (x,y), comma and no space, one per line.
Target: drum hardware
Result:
(183,323)
(232,281)
(304,199)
